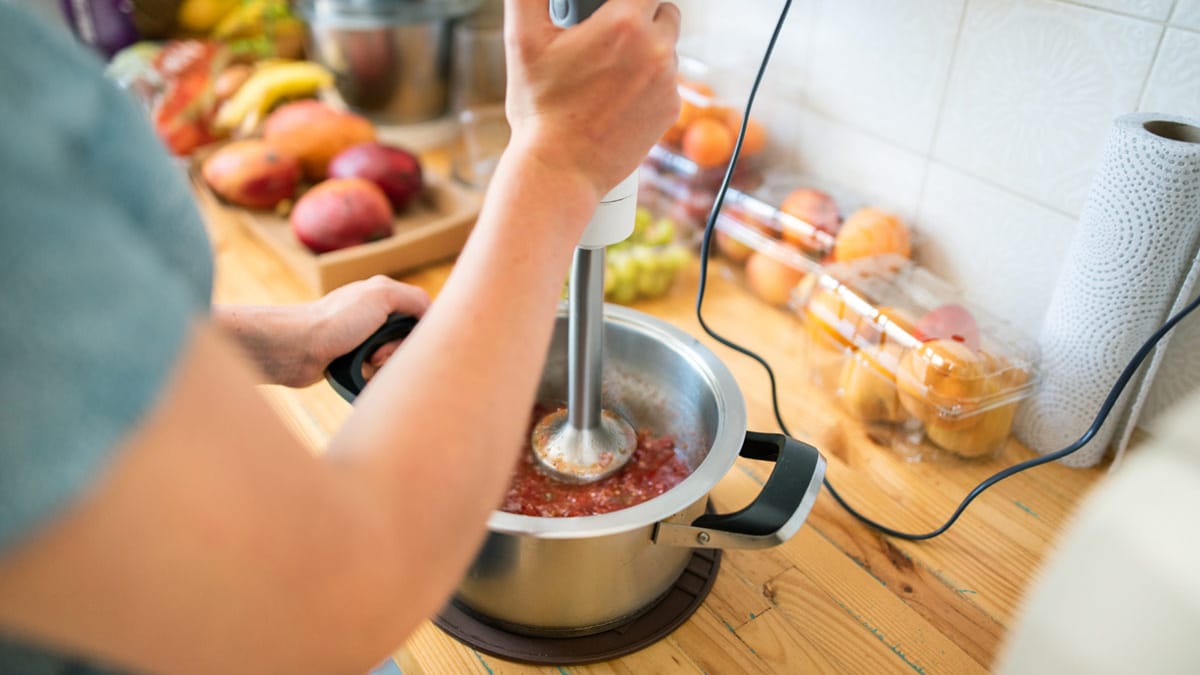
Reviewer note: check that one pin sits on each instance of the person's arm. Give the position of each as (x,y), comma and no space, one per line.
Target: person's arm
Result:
(217,543)
(293,344)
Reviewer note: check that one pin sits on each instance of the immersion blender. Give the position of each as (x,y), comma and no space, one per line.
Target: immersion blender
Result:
(584,442)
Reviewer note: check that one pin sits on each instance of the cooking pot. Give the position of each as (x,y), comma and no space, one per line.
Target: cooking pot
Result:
(391,59)
(576,576)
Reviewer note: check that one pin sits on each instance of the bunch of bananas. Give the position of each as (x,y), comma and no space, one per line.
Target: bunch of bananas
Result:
(266,28)
(269,83)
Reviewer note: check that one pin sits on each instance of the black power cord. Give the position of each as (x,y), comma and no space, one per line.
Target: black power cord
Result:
(1101,416)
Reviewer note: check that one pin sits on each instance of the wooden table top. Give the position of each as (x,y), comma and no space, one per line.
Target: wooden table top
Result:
(837,597)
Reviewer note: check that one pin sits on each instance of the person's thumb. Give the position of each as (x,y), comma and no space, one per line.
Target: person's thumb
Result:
(528,21)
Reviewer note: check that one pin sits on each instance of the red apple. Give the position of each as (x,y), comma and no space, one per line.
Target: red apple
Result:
(395,170)
(341,212)
(815,208)
(949,322)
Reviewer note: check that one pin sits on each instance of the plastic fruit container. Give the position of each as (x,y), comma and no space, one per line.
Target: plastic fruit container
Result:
(710,117)
(928,373)
(694,153)
(772,250)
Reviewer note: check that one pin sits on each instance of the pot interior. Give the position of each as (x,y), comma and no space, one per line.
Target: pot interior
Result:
(656,387)
(665,382)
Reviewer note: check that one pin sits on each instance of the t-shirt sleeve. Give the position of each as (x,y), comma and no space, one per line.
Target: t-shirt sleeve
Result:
(93,313)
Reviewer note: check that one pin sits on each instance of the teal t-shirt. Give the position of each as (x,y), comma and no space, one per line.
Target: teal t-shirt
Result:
(104,263)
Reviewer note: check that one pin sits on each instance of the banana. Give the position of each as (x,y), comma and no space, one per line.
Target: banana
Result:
(243,22)
(270,83)
(200,16)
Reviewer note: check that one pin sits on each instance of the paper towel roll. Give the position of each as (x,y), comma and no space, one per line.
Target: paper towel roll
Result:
(1135,248)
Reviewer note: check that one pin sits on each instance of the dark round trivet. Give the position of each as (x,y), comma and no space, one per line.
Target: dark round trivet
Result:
(654,624)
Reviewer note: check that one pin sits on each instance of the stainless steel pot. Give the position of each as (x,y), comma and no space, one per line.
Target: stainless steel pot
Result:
(574,576)
(390,58)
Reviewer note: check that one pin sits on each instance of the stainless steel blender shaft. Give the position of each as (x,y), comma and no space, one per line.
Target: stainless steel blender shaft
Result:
(586,443)
(585,338)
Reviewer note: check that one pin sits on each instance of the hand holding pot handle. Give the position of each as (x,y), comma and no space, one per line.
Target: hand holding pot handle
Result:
(345,373)
(778,511)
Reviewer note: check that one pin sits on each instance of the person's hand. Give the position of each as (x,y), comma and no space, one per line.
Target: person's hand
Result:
(347,316)
(592,98)
(293,345)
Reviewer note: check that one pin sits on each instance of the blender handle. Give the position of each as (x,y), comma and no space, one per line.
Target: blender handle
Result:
(778,511)
(344,373)
(616,213)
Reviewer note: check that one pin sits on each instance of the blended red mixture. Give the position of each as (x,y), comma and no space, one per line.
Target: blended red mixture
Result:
(653,469)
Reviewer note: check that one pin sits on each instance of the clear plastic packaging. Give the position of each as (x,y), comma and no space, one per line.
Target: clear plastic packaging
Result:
(691,158)
(926,371)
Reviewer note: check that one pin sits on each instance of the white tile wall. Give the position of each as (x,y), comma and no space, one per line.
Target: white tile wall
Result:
(981,120)
(1007,250)
(1149,9)
(1035,86)
(885,75)
(1187,14)
(878,171)
(1174,84)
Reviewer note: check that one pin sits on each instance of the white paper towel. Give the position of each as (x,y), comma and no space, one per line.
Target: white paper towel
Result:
(1132,259)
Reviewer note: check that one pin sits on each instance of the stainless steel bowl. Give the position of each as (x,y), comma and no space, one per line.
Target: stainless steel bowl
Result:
(576,576)
(391,59)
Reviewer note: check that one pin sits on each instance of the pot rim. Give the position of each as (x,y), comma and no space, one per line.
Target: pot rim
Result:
(729,434)
(373,14)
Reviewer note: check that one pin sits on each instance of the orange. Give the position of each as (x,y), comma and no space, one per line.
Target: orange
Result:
(771,280)
(941,382)
(708,142)
(756,134)
(869,232)
(825,318)
(694,98)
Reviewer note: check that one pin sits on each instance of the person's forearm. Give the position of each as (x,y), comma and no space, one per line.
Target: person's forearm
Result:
(492,323)
(273,337)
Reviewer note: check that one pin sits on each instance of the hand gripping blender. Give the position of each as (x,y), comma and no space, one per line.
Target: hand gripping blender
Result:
(585,443)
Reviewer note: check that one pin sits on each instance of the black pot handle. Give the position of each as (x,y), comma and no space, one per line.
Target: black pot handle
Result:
(344,373)
(566,13)
(778,511)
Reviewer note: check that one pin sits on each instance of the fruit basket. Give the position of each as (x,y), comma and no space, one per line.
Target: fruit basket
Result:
(434,228)
(333,202)
(928,373)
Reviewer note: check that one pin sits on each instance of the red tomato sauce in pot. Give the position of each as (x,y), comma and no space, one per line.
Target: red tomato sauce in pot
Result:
(654,468)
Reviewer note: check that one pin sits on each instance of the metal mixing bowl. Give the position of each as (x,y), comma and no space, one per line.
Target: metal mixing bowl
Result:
(391,59)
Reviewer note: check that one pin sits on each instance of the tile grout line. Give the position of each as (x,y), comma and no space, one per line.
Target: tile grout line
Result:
(941,110)
(1162,37)
(1126,15)
(934,161)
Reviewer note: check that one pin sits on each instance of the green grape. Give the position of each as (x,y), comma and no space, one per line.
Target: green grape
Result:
(676,258)
(661,233)
(624,293)
(644,256)
(662,284)
(642,221)
(624,268)
(648,282)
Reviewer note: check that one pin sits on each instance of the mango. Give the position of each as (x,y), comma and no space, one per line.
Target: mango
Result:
(251,173)
(315,133)
(341,212)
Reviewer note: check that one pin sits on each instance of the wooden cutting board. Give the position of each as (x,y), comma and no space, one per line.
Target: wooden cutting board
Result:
(433,229)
